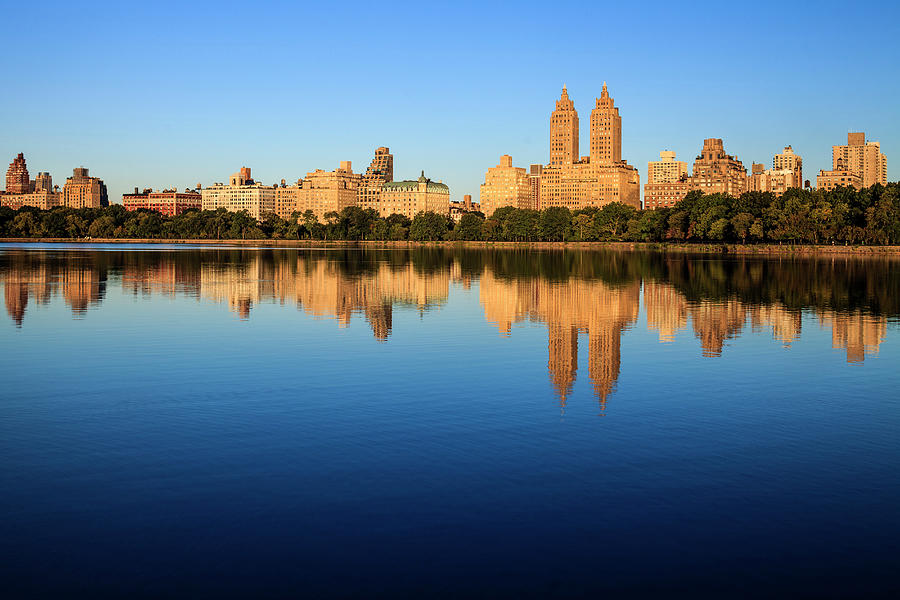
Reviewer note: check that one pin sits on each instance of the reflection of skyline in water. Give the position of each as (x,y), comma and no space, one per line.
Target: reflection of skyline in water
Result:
(718,301)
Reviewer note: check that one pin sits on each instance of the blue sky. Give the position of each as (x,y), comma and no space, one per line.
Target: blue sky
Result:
(166,94)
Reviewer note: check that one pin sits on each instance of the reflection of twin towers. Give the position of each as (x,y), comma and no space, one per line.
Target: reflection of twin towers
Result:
(325,288)
(569,308)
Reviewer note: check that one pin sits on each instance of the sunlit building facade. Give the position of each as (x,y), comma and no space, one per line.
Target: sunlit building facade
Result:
(409,198)
(505,185)
(83,191)
(241,193)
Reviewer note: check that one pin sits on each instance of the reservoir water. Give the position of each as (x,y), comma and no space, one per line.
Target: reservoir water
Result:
(224,422)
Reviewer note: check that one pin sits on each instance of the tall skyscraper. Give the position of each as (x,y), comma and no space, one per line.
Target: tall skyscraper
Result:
(606,131)
(564,131)
(595,180)
(17,181)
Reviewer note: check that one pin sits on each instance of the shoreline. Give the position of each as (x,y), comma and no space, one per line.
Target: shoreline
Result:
(679,247)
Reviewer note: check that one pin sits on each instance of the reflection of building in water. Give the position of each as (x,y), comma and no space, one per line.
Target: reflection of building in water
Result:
(715,322)
(666,308)
(81,284)
(81,287)
(166,277)
(859,334)
(568,308)
(241,285)
(785,324)
(322,289)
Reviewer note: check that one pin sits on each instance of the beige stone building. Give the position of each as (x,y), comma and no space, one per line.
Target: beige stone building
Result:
(23,191)
(666,181)
(786,173)
(411,197)
(83,191)
(863,159)
(789,161)
(714,173)
(771,180)
(329,191)
(534,176)
(241,193)
(718,173)
(43,200)
(594,180)
(839,176)
(563,132)
(505,185)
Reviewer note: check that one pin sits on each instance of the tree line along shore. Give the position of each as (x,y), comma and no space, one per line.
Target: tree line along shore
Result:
(843,216)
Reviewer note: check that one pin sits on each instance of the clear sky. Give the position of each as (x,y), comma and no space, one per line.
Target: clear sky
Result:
(159,94)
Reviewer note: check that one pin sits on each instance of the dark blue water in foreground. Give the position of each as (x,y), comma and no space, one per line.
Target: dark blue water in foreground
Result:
(444,423)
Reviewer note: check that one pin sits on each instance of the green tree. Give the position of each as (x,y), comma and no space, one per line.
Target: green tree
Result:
(429,226)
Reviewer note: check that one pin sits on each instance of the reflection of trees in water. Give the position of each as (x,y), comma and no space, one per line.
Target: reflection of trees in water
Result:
(595,294)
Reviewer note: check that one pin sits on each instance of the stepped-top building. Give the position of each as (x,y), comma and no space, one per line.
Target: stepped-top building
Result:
(17,181)
(718,173)
(379,172)
(22,191)
(83,191)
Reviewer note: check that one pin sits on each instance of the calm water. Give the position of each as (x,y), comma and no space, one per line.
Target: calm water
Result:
(189,422)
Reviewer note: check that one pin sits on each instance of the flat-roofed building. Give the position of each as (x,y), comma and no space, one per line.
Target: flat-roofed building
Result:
(864,159)
(775,181)
(167,202)
(329,191)
(287,199)
(505,185)
(790,161)
(666,181)
(840,176)
(414,196)
(43,199)
(241,193)
(534,176)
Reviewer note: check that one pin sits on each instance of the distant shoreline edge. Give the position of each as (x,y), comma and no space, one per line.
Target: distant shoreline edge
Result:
(703,248)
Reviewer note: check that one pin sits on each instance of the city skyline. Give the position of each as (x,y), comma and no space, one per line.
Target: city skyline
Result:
(149,116)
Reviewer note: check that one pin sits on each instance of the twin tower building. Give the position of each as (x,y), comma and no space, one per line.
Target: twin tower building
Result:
(569,180)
